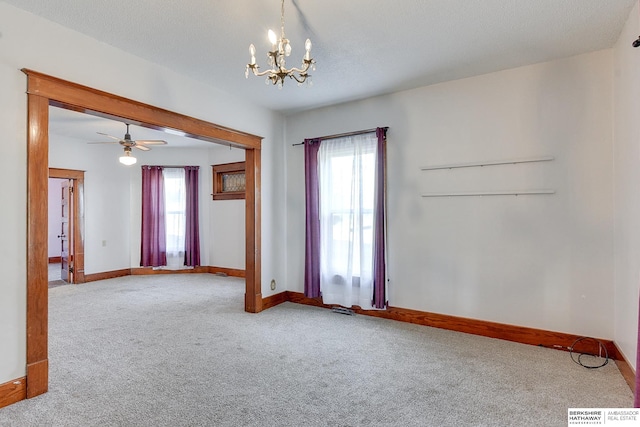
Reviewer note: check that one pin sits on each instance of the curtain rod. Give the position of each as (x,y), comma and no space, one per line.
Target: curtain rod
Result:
(340,135)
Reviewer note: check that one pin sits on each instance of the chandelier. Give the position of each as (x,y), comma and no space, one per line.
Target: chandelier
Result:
(280,49)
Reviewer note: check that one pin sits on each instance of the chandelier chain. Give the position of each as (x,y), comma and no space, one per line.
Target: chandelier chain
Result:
(282,18)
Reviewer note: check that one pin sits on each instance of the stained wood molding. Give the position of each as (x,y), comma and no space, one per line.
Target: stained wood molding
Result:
(520,334)
(273,300)
(37,378)
(253,255)
(233,272)
(13,391)
(626,370)
(37,243)
(81,98)
(55,260)
(93,277)
(145,271)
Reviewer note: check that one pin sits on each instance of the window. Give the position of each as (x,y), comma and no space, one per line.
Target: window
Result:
(175,205)
(347,177)
(169,217)
(229,181)
(344,256)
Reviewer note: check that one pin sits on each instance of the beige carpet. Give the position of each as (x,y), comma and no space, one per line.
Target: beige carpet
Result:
(178,350)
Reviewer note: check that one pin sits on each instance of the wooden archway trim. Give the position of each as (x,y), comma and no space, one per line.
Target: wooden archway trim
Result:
(43,91)
(84,99)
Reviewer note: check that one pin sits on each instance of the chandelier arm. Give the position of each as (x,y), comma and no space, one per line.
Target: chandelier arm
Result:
(298,70)
(261,73)
(294,77)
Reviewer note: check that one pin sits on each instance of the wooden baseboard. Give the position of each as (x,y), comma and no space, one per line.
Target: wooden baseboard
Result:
(233,272)
(626,370)
(273,300)
(55,260)
(13,391)
(144,271)
(106,275)
(520,334)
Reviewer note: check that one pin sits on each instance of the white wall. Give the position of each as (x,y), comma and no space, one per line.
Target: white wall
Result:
(627,193)
(27,41)
(538,261)
(106,201)
(55,216)
(227,219)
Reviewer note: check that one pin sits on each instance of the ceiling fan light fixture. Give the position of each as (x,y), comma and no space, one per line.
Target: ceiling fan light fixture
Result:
(280,49)
(127,159)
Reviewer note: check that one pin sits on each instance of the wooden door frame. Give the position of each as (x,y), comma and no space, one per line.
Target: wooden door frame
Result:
(44,91)
(77,245)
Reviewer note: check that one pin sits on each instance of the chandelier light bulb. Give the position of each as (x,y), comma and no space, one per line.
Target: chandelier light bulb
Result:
(252,51)
(307,45)
(272,38)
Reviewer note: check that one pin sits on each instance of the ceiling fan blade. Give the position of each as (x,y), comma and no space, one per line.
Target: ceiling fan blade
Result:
(141,147)
(108,136)
(151,142)
(103,142)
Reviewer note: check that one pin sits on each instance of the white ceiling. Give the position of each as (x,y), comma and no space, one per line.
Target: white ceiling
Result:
(362,47)
(85,128)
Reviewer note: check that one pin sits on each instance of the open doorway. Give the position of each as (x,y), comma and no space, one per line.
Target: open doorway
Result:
(44,91)
(65,210)
(58,230)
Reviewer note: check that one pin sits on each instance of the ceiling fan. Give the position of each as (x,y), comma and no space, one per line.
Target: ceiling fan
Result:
(128,144)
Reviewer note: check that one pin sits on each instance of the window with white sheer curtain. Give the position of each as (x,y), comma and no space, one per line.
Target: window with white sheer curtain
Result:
(346,175)
(175,216)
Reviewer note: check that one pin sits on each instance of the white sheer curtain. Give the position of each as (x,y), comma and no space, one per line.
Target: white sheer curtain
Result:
(346,171)
(175,216)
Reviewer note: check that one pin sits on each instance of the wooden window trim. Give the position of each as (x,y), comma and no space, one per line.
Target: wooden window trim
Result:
(218,173)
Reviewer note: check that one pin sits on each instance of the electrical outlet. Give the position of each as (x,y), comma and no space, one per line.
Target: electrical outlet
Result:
(273,284)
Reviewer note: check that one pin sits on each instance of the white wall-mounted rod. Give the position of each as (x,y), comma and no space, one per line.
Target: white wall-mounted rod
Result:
(492,163)
(491,193)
